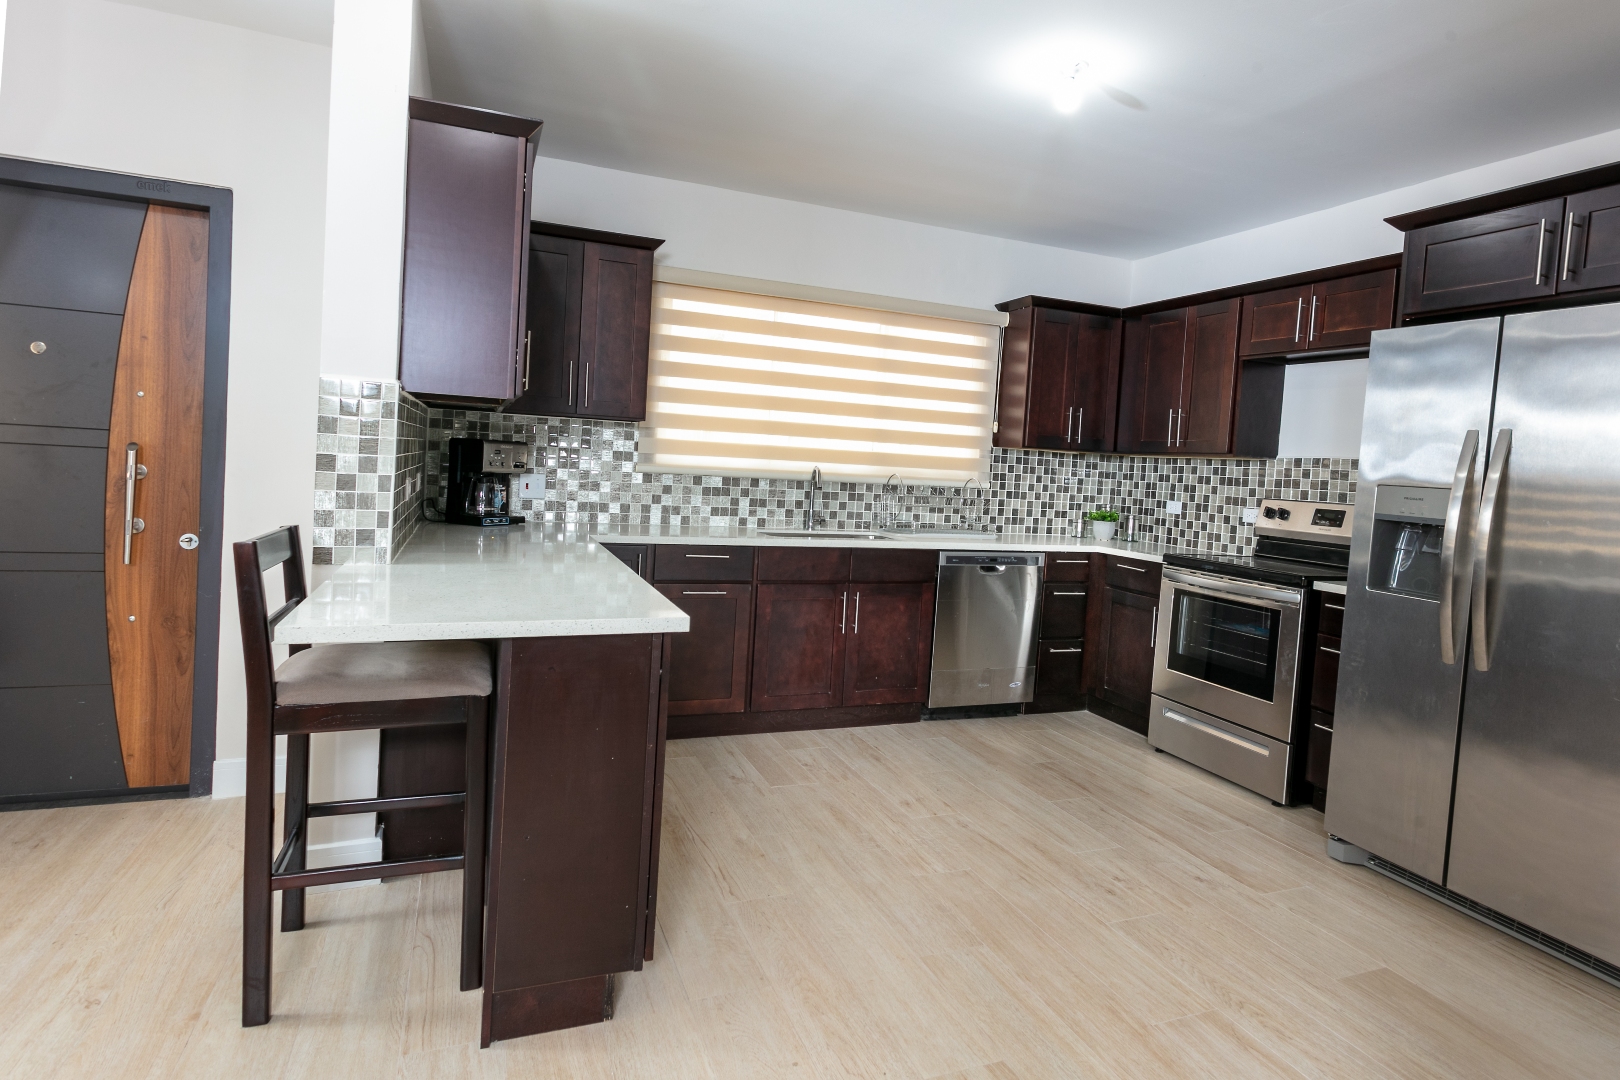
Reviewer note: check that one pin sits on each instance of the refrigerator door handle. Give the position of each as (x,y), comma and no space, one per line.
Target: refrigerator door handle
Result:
(1482,557)
(1460,483)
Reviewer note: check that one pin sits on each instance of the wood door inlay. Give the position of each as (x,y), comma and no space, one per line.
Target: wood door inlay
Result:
(157,404)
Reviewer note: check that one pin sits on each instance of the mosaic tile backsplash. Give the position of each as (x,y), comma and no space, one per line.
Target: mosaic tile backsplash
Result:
(380,455)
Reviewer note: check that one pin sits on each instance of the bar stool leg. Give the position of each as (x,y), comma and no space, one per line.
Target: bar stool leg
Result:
(259,817)
(472,872)
(295,819)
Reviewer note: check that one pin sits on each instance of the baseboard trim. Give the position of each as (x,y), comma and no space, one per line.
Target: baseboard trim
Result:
(704,725)
(230,776)
(342,853)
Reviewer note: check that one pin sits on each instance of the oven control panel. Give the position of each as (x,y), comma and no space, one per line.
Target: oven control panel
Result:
(1306,520)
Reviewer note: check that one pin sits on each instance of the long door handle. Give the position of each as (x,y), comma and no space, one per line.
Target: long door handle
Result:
(528,343)
(1461,481)
(1569,235)
(1153,635)
(1312,335)
(1541,247)
(857,627)
(1299,315)
(1079,424)
(1068,432)
(133,471)
(844,614)
(1482,558)
(570,382)
(585,385)
(1170,427)
(1210,729)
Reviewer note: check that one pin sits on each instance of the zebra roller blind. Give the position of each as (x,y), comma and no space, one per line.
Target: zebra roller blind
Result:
(742,384)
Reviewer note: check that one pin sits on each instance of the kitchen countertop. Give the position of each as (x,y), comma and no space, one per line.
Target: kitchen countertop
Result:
(1335,587)
(941,541)
(456,581)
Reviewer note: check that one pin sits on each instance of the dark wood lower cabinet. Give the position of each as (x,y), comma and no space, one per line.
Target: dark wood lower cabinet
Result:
(1059,676)
(1125,671)
(799,642)
(709,664)
(887,651)
(637,557)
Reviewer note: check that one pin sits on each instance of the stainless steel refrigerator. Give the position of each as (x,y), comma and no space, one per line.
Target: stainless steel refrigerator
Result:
(1476,741)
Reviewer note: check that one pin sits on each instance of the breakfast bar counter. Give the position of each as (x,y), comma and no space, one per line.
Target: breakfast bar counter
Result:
(577,749)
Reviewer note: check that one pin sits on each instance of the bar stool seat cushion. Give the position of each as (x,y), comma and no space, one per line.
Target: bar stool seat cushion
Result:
(384,671)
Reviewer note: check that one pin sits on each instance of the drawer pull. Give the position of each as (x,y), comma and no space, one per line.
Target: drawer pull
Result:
(1335,607)
(1068,594)
(1324,648)
(1210,729)
(1071,560)
(1128,566)
(1323,727)
(710,592)
(708,556)
(1064,650)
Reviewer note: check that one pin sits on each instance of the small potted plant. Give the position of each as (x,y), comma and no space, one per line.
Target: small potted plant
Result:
(1103,523)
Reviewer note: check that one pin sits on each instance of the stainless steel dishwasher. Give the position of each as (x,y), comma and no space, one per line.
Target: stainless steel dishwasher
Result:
(986,620)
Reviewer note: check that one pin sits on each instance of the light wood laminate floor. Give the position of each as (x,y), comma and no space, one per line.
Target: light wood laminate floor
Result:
(982,900)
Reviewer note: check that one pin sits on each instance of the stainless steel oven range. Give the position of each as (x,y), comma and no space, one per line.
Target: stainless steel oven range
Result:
(1228,690)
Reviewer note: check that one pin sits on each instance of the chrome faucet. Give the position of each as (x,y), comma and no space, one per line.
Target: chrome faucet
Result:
(974,520)
(810,500)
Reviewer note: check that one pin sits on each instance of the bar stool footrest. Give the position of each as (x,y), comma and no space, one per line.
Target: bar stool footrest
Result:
(332,875)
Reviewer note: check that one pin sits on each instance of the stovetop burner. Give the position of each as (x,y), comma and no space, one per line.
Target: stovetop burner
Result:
(1259,567)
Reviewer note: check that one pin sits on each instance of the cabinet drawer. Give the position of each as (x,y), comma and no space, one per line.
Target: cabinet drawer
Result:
(1059,686)
(1319,750)
(681,562)
(803,564)
(1331,622)
(897,566)
(1325,677)
(1062,566)
(637,557)
(1139,577)
(1063,610)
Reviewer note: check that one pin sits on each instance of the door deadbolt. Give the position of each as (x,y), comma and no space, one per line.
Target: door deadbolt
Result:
(189,541)
(137,525)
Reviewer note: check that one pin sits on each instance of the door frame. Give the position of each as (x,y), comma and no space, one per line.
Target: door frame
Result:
(217,203)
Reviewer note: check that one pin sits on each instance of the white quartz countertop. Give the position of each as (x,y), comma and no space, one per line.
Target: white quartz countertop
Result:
(931,541)
(1336,587)
(456,581)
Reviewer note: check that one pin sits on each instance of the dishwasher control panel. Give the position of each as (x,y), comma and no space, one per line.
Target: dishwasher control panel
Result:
(980,558)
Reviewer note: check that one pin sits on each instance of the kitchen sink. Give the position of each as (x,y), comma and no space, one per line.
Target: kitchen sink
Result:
(822,534)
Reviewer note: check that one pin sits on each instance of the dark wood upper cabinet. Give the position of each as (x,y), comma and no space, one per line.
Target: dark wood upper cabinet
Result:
(889,645)
(1209,380)
(1150,382)
(1340,313)
(1059,377)
(708,667)
(1497,258)
(589,324)
(1590,258)
(465,259)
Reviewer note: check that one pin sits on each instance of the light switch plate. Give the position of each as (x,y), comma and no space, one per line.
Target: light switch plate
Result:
(1173,507)
(1251,515)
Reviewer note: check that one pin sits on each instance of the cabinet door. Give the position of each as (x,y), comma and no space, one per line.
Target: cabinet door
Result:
(708,665)
(1490,259)
(1345,311)
(637,557)
(615,326)
(548,378)
(1325,673)
(799,635)
(1093,382)
(1126,677)
(1209,380)
(1049,416)
(891,635)
(1591,252)
(466,222)
(1150,382)
(1274,322)
(1058,676)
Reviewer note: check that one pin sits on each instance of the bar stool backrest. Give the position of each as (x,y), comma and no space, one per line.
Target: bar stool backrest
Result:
(254,557)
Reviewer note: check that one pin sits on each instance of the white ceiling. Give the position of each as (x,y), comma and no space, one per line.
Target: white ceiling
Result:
(1256,110)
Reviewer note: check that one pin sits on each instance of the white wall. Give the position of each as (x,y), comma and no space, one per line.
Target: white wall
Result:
(1322,407)
(1346,233)
(731,232)
(111,86)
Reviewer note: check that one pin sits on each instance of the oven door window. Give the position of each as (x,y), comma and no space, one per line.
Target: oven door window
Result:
(1226,642)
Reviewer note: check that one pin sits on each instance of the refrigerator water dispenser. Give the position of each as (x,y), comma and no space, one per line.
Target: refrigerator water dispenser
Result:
(1408,525)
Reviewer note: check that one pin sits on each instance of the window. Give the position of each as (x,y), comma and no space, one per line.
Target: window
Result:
(752,385)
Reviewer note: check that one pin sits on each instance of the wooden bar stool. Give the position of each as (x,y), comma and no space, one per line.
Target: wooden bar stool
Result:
(344,688)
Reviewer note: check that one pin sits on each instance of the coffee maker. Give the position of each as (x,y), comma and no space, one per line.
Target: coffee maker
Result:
(481,474)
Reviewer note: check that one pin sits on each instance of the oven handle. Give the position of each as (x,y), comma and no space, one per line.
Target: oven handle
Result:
(1219,586)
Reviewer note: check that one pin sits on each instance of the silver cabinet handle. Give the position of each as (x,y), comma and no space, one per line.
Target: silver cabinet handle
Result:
(702,592)
(1128,566)
(585,385)
(570,382)
(1064,650)
(689,556)
(1335,607)
(528,342)
(1482,556)
(1181,422)
(1211,729)
(638,563)
(1324,648)
(1461,481)
(1071,560)
(1079,425)
(1068,594)
(1569,235)
(842,615)
(133,471)
(1541,245)
(1312,335)
(857,627)
(1068,432)
(1153,637)
(1170,427)
(1299,313)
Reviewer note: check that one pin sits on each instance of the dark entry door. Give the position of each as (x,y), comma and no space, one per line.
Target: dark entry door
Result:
(102,314)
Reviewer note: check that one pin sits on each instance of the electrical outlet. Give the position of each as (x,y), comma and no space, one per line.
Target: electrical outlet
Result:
(531,486)
(1251,515)
(1173,507)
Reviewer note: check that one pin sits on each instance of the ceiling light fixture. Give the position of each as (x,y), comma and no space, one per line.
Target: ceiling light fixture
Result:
(1066,71)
